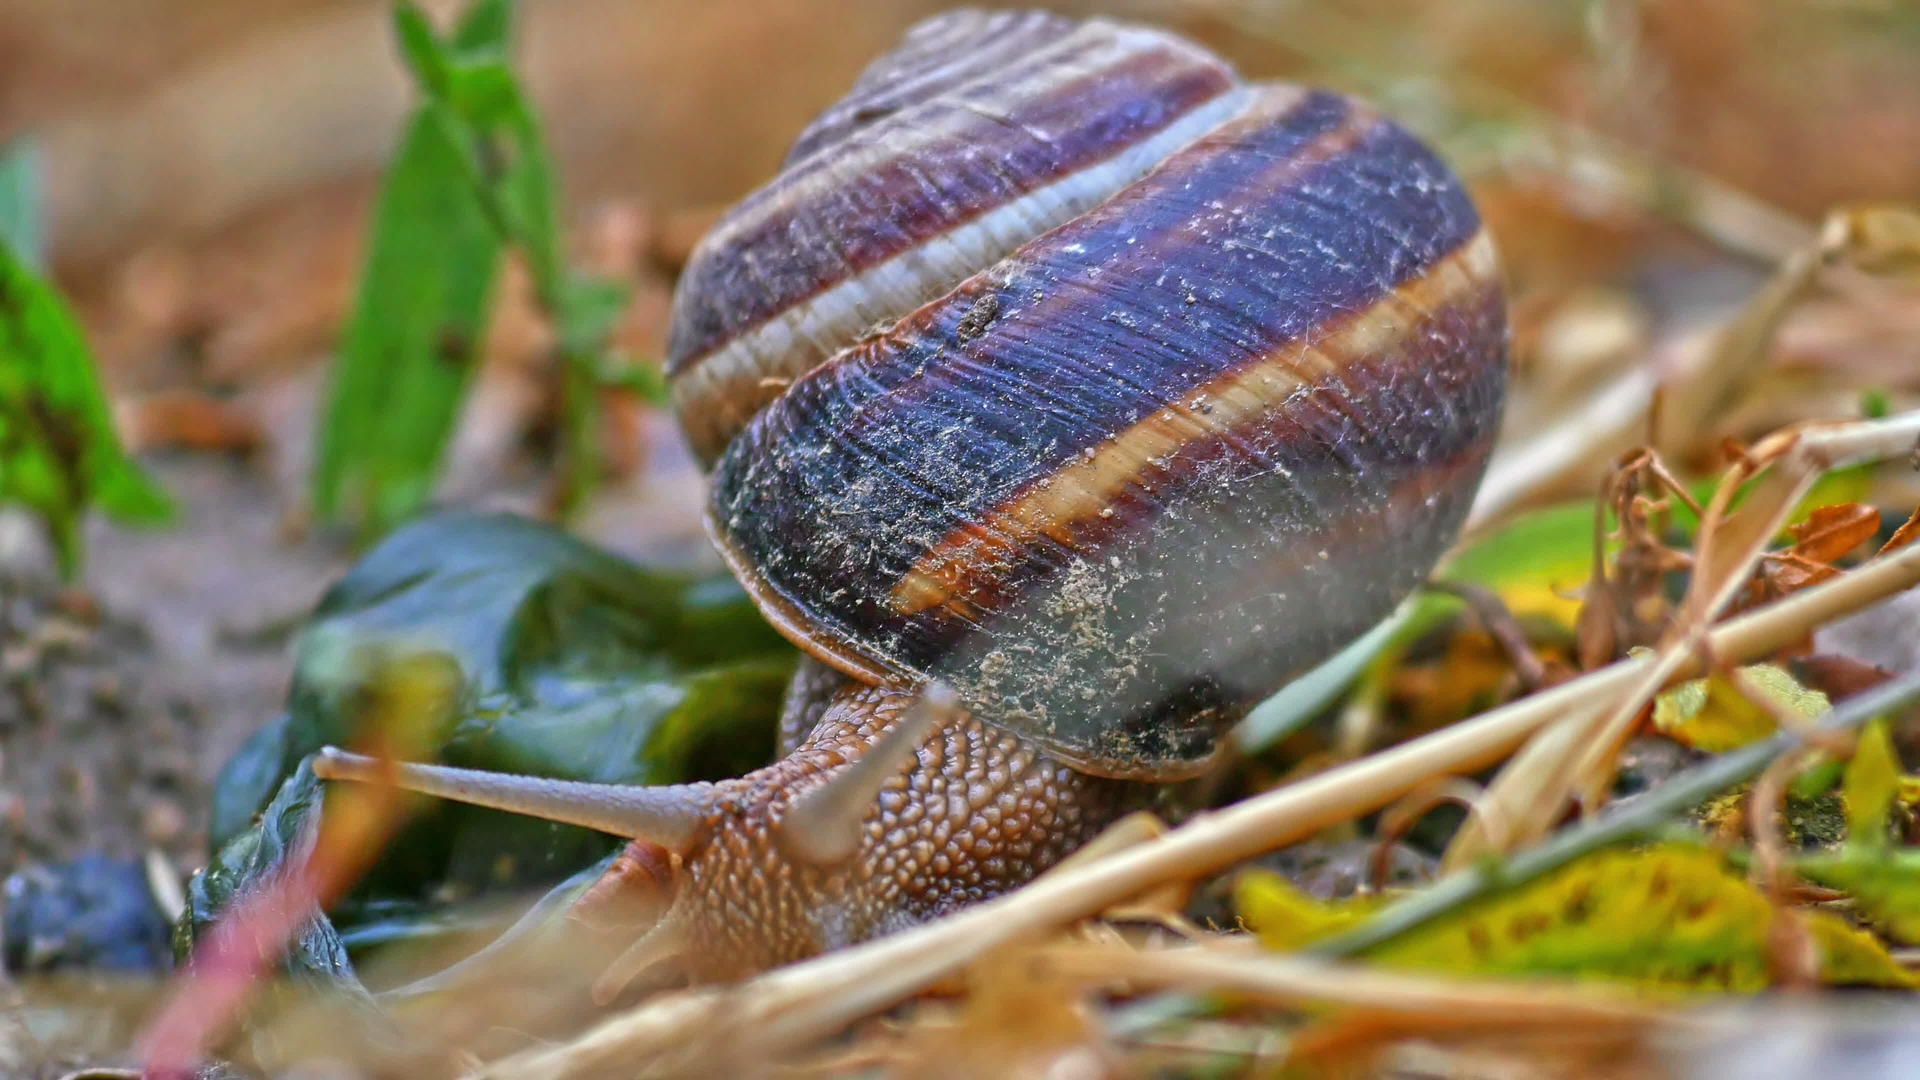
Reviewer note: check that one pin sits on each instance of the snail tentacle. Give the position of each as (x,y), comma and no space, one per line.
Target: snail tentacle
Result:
(824,825)
(674,816)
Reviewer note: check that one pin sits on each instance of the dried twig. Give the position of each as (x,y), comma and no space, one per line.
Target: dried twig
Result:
(1577,756)
(1642,816)
(1505,630)
(1271,979)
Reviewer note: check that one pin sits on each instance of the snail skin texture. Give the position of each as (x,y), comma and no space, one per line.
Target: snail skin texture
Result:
(1064,372)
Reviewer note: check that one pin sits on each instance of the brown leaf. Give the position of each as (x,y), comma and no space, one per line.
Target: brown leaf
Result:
(1839,677)
(1833,531)
(1904,535)
(1787,573)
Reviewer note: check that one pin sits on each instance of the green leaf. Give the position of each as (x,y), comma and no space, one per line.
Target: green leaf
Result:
(571,662)
(413,339)
(591,310)
(1816,778)
(420,47)
(1536,562)
(645,380)
(58,450)
(487,27)
(1884,885)
(1871,782)
(246,860)
(482,157)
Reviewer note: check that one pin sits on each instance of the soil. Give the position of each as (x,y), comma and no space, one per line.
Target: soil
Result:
(121,697)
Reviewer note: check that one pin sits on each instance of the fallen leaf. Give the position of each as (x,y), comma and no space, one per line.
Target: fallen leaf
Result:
(1885,886)
(1669,918)
(1831,532)
(1871,784)
(1713,714)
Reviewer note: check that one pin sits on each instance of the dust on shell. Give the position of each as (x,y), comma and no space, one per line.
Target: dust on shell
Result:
(1142,470)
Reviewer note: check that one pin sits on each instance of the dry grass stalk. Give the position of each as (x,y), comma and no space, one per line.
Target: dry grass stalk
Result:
(1879,241)
(232,961)
(1287,981)
(784,1009)
(1521,469)
(1575,758)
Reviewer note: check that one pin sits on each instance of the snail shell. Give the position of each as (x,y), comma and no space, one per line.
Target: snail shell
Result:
(1063,366)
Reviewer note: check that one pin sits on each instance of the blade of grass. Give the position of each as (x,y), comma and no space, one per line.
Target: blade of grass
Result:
(59,453)
(472,180)
(412,341)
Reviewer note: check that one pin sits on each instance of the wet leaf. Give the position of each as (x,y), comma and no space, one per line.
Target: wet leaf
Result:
(570,662)
(1713,714)
(286,825)
(1668,918)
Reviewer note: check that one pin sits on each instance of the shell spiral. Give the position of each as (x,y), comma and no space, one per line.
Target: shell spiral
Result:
(1062,365)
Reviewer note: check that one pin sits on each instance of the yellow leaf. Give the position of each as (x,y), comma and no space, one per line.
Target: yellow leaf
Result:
(1871,782)
(1287,918)
(1666,919)
(1850,956)
(1536,563)
(1712,714)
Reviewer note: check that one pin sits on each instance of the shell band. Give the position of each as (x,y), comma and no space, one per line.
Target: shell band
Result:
(882,218)
(1059,505)
(1139,472)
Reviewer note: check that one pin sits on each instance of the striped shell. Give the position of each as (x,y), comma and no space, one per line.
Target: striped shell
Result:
(1063,366)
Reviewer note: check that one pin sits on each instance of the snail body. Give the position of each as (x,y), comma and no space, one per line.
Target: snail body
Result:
(1062,369)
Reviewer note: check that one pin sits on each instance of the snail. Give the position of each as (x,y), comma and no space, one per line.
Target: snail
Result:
(1064,396)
